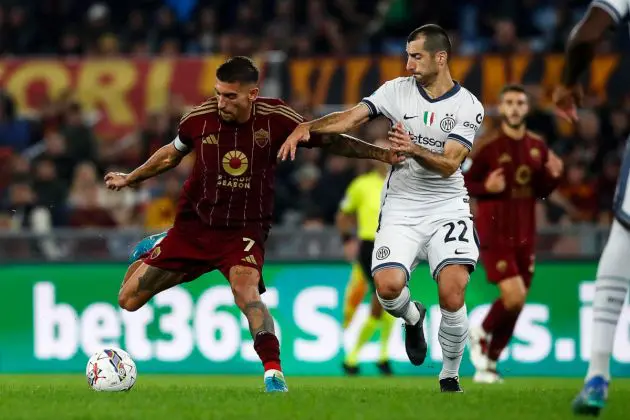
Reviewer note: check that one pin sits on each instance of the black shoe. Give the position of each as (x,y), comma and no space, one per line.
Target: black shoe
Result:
(385,368)
(415,343)
(350,370)
(450,385)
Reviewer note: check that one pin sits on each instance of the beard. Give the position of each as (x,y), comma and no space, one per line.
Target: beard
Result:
(514,123)
(425,79)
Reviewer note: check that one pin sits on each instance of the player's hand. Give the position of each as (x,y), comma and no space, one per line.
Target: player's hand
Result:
(495,183)
(301,134)
(350,250)
(400,139)
(554,165)
(394,158)
(566,100)
(117,181)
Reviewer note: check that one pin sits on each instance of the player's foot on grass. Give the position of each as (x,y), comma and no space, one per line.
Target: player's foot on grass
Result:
(450,385)
(350,370)
(415,343)
(487,377)
(478,348)
(145,246)
(592,398)
(385,368)
(274,381)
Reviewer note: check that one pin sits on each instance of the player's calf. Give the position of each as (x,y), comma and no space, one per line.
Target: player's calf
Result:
(142,282)
(453,332)
(244,282)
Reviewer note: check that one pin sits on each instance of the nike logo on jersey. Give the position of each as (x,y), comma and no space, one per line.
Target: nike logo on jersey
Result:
(409,117)
(458,252)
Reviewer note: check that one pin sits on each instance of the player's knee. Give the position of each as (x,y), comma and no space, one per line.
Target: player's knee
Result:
(128,303)
(515,300)
(389,283)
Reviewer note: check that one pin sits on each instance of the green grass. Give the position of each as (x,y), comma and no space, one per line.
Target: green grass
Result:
(221,397)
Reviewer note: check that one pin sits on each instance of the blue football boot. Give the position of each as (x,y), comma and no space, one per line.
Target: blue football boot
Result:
(145,246)
(592,398)
(275,382)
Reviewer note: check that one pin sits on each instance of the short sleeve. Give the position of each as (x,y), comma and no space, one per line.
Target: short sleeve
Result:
(617,9)
(350,202)
(183,141)
(468,121)
(381,102)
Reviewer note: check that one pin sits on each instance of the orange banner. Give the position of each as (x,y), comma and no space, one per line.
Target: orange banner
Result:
(122,91)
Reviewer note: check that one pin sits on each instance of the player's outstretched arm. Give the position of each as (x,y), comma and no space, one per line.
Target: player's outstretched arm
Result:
(445,164)
(348,146)
(580,51)
(165,158)
(334,123)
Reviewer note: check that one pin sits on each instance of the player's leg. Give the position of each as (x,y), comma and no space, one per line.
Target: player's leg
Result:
(395,250)
(504,317)
(364,261)
(452,254)
(355,291)
(611,289)
(143,281)
(386,324)
(502,270)
(246,287)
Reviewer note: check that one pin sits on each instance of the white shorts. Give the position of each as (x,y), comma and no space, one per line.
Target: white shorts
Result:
(440,240)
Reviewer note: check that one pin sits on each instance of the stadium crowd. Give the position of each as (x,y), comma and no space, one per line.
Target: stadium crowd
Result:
(52,162)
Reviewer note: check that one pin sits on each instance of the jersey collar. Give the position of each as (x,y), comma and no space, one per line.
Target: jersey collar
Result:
(447,95)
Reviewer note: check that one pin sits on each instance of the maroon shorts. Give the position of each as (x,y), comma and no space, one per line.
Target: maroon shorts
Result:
(501,264)
(194,248)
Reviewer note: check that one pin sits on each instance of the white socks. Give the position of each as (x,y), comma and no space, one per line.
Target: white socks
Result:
(402,307)
(453,336)
(607,305)
(611,289)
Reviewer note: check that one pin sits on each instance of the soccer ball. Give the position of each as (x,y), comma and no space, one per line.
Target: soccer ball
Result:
(111,369)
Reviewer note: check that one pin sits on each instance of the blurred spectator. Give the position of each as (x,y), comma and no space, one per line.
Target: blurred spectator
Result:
(50,190)
(605,185)
(577,189)
(81,144)
(15,132)
(160,212)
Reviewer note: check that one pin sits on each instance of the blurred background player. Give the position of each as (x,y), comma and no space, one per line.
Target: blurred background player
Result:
(227,200)
(360,208)
(425,214)
(507,171)
(613,276)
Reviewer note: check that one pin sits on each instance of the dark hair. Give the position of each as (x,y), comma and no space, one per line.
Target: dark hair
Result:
(238,69)
(513,87)
(435,38)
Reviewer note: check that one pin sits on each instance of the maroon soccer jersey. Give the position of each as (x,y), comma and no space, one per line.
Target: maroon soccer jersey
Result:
(232,181)
(507,219)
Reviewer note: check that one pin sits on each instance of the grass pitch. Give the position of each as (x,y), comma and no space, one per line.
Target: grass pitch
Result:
(176,397)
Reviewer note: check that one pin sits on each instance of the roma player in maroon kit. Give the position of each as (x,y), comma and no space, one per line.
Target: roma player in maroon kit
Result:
(224,213)
(509,170)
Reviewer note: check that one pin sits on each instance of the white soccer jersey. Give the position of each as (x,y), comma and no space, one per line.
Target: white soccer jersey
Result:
(411,190)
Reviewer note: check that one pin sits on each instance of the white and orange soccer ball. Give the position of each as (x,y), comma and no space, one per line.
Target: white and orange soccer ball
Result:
(111,369)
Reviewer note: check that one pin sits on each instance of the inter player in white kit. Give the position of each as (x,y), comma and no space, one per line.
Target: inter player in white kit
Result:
(425,213)
(613,273)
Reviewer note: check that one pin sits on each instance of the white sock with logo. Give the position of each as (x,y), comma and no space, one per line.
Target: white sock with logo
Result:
(611,289)
(453,336)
